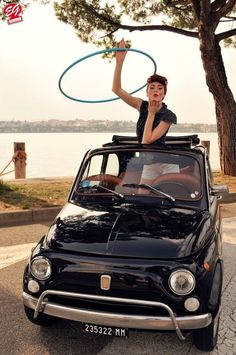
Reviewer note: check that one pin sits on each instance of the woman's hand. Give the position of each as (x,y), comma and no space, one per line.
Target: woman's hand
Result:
(154,107)
(120,55)
(151,135)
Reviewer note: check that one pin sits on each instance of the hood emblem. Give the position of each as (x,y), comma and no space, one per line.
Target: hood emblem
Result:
(105,282)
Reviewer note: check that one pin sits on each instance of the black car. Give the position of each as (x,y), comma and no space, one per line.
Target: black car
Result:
(138,245)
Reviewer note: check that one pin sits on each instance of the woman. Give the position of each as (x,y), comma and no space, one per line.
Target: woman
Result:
(155,118)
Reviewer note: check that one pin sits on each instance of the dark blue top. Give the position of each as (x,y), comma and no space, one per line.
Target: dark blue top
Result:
(163,115)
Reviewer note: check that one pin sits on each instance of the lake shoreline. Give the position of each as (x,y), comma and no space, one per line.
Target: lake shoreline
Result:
(60,154)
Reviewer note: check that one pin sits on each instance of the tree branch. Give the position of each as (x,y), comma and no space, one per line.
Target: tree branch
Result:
(226,34)
(109,34)
(217,4)
(116,25)
(158,27)
(90,9)
(226,8)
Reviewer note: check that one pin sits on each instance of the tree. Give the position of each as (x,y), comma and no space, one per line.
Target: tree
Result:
(201,19)
(97,21)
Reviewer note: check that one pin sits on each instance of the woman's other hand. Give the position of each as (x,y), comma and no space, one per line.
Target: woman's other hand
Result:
(153,107)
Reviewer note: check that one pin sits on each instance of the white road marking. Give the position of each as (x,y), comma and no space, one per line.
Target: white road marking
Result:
(12,254)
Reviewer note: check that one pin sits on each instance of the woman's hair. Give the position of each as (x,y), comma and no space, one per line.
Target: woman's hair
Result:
(158,78)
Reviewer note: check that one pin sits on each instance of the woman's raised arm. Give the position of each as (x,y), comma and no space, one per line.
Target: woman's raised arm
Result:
(117,86)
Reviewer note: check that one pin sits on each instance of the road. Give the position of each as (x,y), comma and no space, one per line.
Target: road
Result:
(20,337)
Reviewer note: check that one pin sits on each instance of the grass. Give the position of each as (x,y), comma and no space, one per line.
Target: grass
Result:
(230,181)
(30,195)
(21,196)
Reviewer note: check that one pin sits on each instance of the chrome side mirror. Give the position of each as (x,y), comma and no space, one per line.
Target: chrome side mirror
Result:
(219,190)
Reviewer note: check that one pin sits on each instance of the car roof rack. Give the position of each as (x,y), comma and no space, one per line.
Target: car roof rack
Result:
(190,140)
(183,141)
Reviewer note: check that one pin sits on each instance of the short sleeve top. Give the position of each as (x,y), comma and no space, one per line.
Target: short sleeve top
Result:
(163,115)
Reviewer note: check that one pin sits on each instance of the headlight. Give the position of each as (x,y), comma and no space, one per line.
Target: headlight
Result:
(40,268)
(182,282)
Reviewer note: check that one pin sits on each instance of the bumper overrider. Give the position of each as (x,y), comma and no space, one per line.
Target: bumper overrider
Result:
(42,304)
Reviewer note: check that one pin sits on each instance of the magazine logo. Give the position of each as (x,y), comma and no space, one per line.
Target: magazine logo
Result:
(12,12)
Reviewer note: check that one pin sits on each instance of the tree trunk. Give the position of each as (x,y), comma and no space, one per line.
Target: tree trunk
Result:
(227,139)
(224,101)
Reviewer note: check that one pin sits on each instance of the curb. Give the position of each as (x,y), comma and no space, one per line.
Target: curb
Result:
(29,216)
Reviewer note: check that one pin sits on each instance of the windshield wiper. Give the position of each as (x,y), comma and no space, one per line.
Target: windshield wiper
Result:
(109,190)
(153,189)
(103,188)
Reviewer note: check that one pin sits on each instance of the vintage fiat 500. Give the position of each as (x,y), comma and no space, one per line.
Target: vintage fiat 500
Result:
(138,245)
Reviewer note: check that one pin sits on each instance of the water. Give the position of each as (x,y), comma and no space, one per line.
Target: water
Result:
(60,154)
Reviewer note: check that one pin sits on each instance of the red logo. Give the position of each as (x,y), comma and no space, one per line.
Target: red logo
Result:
(13,11)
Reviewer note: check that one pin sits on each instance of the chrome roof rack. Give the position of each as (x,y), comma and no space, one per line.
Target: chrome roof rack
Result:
(191,140)
(183,141)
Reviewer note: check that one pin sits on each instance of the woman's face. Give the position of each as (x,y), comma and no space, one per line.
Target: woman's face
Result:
(155,91)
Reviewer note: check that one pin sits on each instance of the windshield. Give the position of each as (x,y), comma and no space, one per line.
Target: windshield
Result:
(149,173)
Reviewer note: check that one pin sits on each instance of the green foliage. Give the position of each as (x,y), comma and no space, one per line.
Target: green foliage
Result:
(230,42)
(178,13)
(90,20)
(97,21)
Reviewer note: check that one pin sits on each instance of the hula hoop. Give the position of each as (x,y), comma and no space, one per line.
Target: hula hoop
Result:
(97,53)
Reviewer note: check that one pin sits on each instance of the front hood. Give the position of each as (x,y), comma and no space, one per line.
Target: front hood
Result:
(129,231)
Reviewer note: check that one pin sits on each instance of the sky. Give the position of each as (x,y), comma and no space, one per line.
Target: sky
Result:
(35,52)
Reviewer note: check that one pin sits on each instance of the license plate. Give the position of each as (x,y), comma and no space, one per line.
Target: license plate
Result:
(104,330)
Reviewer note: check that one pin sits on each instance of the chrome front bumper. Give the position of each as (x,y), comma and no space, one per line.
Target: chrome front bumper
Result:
(42,304)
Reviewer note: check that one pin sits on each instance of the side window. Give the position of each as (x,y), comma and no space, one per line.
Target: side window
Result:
(112,167)
(93,167)
(98,163)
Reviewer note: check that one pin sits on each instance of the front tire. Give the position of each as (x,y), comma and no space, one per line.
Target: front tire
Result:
(205,339)
(43,320)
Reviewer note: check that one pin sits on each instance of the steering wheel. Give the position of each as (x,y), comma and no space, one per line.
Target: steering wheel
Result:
(180,182)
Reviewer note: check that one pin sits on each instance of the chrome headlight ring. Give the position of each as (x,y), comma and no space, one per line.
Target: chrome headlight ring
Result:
(182,282)
(40,268)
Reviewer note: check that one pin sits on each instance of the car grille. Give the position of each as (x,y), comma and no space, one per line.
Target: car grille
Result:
(104,306)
